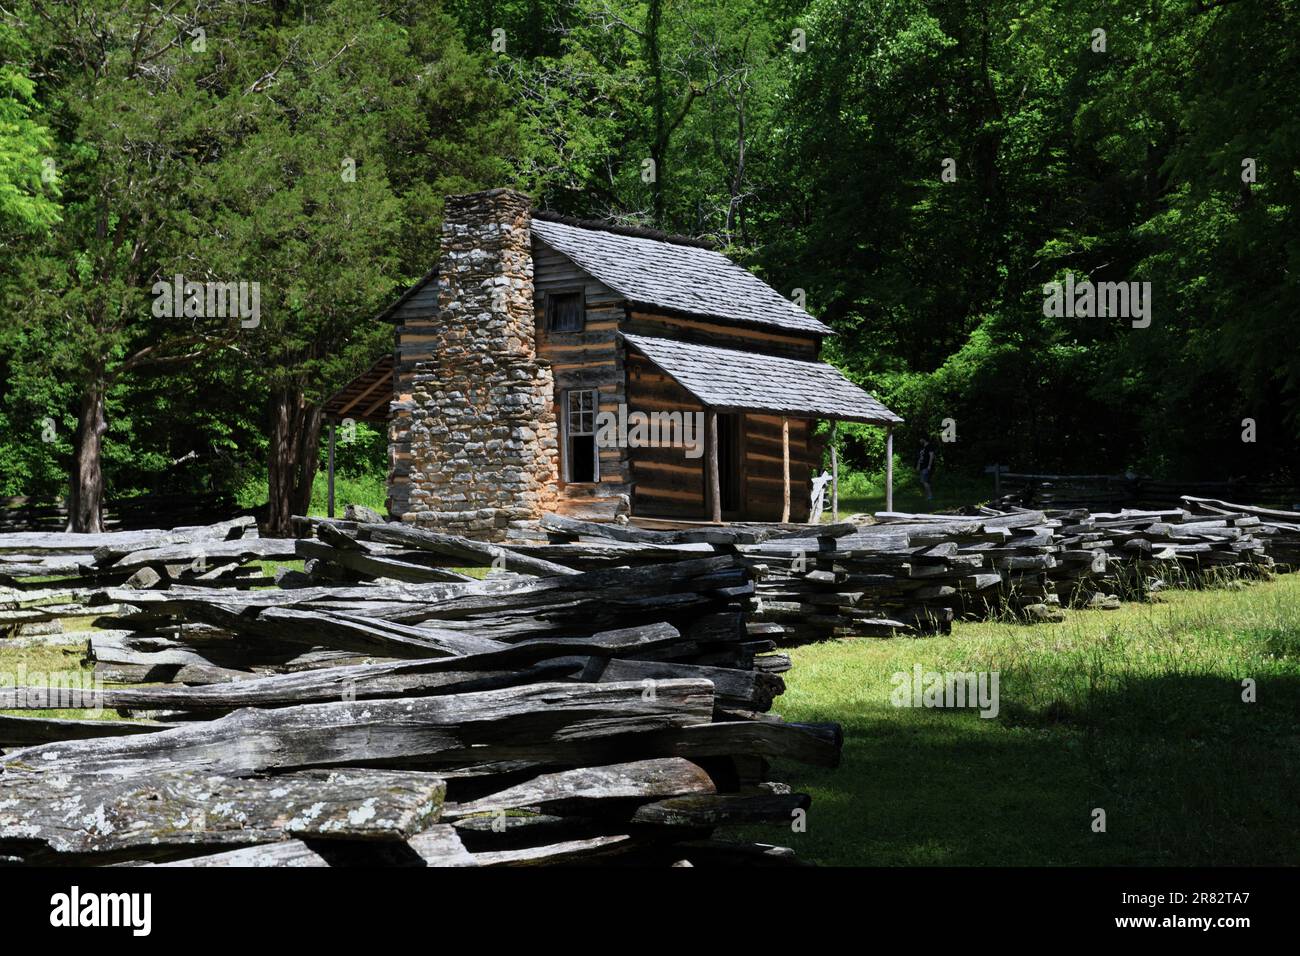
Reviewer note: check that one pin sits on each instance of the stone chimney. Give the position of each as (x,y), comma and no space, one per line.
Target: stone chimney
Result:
(483,436)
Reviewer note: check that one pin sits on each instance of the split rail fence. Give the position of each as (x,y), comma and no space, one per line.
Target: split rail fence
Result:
(601,693)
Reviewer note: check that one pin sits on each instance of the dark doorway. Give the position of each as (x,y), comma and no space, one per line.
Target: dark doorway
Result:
(729,462)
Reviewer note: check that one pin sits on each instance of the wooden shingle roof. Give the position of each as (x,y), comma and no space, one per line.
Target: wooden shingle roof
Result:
(675,276)
(366,397)
(727,379)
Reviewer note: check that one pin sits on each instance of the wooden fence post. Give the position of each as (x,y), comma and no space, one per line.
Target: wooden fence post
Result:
(715,479)
(785,468)
(889,467)
(835,473)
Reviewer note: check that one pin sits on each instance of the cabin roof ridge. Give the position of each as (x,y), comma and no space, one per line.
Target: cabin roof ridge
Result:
(686,279)
(626,229)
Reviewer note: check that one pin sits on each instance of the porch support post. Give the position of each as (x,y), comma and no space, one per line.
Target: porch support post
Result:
(715,478)
(835,473)
(785,469)
(889,467)
(330,469)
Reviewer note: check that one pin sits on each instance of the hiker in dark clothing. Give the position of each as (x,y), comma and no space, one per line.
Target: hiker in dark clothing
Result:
(925,465)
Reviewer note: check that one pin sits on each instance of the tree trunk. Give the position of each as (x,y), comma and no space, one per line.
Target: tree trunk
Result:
(86,491)
(734,208)
(293,460)
(658,109)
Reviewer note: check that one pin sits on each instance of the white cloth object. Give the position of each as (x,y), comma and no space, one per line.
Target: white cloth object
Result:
(818,496)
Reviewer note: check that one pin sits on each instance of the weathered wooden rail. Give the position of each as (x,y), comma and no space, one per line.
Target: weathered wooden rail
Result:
(1114,492)
(539,715)
(908,574)
(141,511)
(603,694)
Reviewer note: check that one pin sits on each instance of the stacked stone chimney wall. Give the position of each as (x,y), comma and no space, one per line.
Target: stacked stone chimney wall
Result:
(479,432)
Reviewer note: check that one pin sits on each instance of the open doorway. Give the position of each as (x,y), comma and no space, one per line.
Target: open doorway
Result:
(730,427)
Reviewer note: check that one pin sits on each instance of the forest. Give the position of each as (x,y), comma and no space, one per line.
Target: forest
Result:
(920,174)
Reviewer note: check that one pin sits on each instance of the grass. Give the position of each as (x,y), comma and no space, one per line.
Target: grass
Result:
(32,666)
(862,493)
(1137,711)
(368,490)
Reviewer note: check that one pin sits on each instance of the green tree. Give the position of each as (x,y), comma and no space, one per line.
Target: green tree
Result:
(320,202)
(28,182)
(129,98)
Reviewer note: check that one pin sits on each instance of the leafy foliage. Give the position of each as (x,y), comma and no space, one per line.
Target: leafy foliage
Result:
(807,137)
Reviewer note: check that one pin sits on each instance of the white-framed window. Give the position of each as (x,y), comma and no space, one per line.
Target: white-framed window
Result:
(581,457)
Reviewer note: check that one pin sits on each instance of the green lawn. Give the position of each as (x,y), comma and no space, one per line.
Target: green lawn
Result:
(368,490)
(30,666)
(861,493)
(1136,711)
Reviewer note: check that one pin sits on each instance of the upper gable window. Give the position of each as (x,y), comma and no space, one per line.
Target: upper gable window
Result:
(565,311)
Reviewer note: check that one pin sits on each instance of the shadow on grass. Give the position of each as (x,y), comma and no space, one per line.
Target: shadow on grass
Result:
(1186,772)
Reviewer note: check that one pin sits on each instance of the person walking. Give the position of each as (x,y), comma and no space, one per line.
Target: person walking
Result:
(925,466)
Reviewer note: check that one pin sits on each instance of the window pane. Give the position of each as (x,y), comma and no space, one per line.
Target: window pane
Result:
(582,411)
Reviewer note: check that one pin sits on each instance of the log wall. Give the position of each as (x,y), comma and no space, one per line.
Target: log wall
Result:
(592,358)
(415,337)
(701,332)
(668,484)
(762,476)
(666,481)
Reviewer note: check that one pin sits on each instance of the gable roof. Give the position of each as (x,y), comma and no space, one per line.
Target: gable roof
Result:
(675,276)
(390,311)
(751,381)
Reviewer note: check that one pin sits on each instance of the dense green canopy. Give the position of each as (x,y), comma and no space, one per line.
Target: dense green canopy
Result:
(916,171)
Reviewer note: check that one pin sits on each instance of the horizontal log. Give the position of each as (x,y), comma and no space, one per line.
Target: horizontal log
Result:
(560,854)
(511,665)
(18,731)
(732,687)
(343,631)
(289,853)
(70,813)
(462,549)
(117,543)
(201,552)
(350,682)
(570,789)
(374,565)
(712,810)
(536,720)
(439,845)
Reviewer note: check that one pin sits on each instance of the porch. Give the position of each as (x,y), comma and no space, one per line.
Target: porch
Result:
(750,402)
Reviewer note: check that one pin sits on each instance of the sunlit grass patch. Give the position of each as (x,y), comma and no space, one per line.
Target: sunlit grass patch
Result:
(49,666)
(1137,711)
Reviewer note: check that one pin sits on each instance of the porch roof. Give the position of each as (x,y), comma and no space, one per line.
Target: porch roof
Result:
(366,397)
(732,380)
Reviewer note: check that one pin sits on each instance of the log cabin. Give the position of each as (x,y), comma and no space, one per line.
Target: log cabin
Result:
(520,361)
